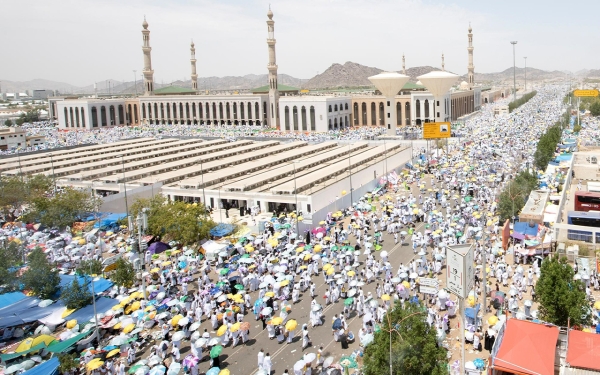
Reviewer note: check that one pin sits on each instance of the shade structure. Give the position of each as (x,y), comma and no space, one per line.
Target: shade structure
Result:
(527,348)
(438,83)
(389,83)
(582,350)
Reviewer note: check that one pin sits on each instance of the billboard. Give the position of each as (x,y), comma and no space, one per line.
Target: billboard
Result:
(460,272)
(585,93)
(436,130)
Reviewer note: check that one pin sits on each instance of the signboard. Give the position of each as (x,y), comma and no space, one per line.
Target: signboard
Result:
(425,281)
(459,270)
(428,290)
(585,93)
(110,264)
(436,130)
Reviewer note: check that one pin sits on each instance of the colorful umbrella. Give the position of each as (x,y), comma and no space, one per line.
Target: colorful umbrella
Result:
(216,351)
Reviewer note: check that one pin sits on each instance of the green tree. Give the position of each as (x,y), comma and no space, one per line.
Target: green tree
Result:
(90,267)
(415,350)
(562,299)
(40,277)
(62,209)
(31,115)
(76,295)
(514,196)
(124,274)
(68,363)
(184,222)
(10,257)
(595,108)
(8,122)
(17,192)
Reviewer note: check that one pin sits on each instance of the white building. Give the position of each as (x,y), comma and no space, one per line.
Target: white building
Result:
(11,138)
(90,113)
(315,113)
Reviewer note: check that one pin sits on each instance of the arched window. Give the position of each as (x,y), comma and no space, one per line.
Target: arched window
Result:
(207,113)
(257,111)
(249,111)
(135,113)
(364,114)
(66,117)
(381,114)
(129,114)
(303,117)
(76,116)
(162,111)
(330,126)
(82,117)
(407,113)
(373,114)
(287,117)
(169,111)
(103,115)
(195,111)
(242,111)
(346,106)
(313,125)
(121,114)
(180,111)
(295,117)
(113,115)
(94,117)
(227,111)
(418,109)
(71,120)
(355,113)
(335,125)
(346,124)
(398,114)
(221,111)
(187,111)
(427,109)
(330,108)
(336,108)
(234,110)
(215,115)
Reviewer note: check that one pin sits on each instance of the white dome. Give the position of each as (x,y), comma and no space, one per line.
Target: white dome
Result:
(464,85)
(419,83)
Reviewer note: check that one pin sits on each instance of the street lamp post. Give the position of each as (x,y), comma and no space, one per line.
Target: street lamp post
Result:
(350,172)
(514,71)
(202,176)
(296,194)
(53,175)
(141,220)
(94,303)
(525,73)
(125,188)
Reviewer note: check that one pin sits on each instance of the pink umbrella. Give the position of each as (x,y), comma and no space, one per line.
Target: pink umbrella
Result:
(190,361)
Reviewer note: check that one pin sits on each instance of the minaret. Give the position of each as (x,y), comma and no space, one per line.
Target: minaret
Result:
(403,65)
(443,65)
(470,68)
(147,72)
(193,61)
(273,111)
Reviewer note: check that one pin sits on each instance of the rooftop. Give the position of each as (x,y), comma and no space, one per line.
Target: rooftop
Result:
(282,88)
(174,90)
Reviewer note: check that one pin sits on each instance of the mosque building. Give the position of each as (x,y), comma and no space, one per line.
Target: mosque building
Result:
(273,106)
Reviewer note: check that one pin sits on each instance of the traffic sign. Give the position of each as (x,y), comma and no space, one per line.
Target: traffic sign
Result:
(460,273)
(585,93)
(428,289)
(436,130)
(426,281)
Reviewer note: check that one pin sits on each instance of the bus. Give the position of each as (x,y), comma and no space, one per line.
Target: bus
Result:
(587,201)
(584,219)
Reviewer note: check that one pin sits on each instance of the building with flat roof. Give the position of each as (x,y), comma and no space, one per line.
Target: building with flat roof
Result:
(12,138)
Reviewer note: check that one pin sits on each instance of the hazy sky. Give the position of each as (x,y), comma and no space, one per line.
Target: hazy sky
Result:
(82,41)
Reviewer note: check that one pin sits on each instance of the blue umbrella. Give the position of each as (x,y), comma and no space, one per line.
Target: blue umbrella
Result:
(213,371)
(109,348)
(215,290)
(337,324)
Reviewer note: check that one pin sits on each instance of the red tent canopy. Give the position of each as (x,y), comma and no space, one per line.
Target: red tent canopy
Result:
(527,348)
(583,350)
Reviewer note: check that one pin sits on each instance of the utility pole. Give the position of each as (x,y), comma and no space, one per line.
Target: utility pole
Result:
(514,71)
(525,73)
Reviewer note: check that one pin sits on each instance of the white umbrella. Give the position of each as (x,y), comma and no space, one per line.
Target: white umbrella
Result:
(195,336)
(212,342)
(46,302)
(383,254)
(298,366)
(12,369)
(413,275)
(119,340)
(353,283)
(351,292)
(178,336)
(201,342)
(266,311)
(27,364)
(182,322)
(316,307)
(174,368)
(309,357)
(194,326)
(328,361)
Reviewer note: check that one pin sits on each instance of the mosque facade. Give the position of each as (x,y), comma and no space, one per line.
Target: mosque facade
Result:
(268,109)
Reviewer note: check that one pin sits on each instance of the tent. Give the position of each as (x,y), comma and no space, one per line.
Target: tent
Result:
(49,367)
(8,299)
(85,314)
(63,346)
(158,247)
(524,228)
(526,348)
(582,350)
(100,284)
(221,230)
(212,249)
(107,219)
(9,356)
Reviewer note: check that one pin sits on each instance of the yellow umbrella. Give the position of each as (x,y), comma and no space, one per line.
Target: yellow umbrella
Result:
(307,256)
(235,327)
(221,331)
(46,339)
(300,218)
(327,266)
(135,295)
(406,284)
(386,297)
(317,248)
(492,320)
(116,307)
(277,321)
(113,352)
(326,238)
(291,325)
(71,323)
(351,273)
(176,319)
(330,271)
(270,294)
(224,372)
(300,249)
(303,267)
(284,282)
(124,301)
(130,327)
(322,222)
(155,270)
(67,312)
(176,252)
(94,364)
(167,263)
(117,326)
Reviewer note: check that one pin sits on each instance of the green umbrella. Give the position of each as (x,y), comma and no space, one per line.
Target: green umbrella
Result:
(134,368)
(239,287)
(224,271)
(348,301)
(335,248)
(377,247)
(246,256)
(348,362)
(459,234)
(221,283)
(216,351)
(308,247)
(286,226)
(468,198)
(242,239)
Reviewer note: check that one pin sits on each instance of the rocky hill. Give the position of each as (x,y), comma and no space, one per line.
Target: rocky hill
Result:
(532,74)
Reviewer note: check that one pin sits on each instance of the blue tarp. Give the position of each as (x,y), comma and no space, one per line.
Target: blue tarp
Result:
(221,230)
(524,228)
(20,306)
(100,285)
(49,367)
(105,219)
(8,299)
(564,157)
(103,304)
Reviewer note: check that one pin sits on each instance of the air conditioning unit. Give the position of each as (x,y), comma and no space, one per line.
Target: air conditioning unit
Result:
(572,254)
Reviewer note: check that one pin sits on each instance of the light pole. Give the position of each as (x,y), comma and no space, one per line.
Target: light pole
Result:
(525,73)
(125,189)
(514,71)
(350,172)
(53,175)
(20,169)
(141,225)
(202,176)
(94,303)
(135,81)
